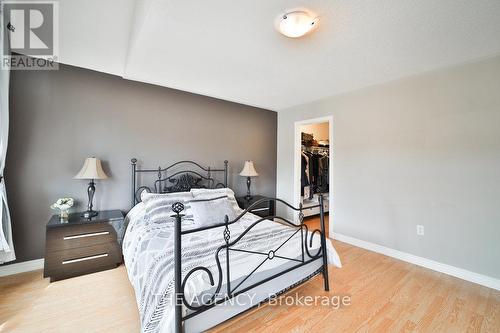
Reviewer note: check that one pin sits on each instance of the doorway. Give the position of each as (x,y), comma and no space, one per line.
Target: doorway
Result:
(313,165)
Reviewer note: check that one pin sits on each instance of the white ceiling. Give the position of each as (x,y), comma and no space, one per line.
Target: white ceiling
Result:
(230,49)
(95,34)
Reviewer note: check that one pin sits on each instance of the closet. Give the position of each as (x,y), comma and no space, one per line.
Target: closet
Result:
(315,166)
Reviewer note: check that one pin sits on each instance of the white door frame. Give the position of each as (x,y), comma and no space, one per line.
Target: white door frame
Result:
(297,163)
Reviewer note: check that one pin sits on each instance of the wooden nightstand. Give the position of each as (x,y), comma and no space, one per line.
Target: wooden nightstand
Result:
(264,209)
(81,246)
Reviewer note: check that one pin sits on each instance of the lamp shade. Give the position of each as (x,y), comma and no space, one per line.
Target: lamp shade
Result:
(91,169)
(248,170)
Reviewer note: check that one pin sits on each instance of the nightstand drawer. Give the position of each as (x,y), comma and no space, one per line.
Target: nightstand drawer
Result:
(79,245)
(76,236)
(74,262)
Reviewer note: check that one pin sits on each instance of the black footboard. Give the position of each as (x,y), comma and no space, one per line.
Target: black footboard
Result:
(232,291)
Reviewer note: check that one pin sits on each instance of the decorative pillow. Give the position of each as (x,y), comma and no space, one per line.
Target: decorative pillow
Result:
(207,212)
(159,206)
(205,193)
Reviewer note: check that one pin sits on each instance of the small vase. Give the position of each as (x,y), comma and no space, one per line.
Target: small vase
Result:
(64,215)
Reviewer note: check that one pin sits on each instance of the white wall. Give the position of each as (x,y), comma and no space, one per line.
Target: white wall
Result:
(424,150)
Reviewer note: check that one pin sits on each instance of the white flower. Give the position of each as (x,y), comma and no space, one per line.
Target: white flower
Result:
(63,204)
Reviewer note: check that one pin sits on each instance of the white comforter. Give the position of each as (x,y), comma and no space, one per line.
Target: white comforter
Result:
(149,259)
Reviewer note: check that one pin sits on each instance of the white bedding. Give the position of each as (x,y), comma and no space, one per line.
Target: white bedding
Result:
(148,253)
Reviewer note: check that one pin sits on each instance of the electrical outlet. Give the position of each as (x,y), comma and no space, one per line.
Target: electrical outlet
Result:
(420,230)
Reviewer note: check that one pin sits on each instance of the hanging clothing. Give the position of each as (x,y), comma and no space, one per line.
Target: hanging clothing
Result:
(314,173)
(323,179)
(304,173)
(314,169)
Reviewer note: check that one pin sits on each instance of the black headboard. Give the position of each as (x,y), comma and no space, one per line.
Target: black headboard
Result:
(178,177)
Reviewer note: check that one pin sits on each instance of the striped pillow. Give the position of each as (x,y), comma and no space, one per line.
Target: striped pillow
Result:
(204,193)
(159,206)
(207,212)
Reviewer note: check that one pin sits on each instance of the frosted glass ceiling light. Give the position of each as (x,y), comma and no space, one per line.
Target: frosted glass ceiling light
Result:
(297,24)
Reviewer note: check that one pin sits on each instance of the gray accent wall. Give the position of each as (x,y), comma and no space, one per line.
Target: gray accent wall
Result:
(58,118)
(423,150)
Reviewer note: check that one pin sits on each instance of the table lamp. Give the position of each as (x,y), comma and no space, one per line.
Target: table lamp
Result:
(248,171)
(91,169)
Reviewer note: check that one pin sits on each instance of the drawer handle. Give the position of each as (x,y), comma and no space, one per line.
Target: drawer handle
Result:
(65,262)
(259,209)
(86,235)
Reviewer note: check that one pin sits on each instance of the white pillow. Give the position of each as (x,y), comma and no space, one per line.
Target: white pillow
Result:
(210,211)
(205,193)
(159,206)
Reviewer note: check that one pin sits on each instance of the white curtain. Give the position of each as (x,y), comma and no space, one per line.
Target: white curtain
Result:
(6,246)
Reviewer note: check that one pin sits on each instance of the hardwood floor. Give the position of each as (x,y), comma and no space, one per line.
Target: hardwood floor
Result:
(387,295)
(99,302)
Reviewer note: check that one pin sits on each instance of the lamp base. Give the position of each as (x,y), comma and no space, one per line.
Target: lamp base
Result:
(249,196)
(89,213)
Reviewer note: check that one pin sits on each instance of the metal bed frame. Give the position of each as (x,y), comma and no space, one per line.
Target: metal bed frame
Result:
(185,180)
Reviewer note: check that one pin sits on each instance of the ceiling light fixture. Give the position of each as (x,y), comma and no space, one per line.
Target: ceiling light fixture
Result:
(297,23)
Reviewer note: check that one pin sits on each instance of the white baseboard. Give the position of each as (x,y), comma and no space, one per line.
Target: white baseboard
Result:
(21,267)
(460,273)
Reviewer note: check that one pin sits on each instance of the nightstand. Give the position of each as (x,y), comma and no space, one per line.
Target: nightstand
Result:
(264,209)
(81,246)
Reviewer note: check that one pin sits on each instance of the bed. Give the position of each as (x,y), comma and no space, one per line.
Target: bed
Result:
(191,278)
